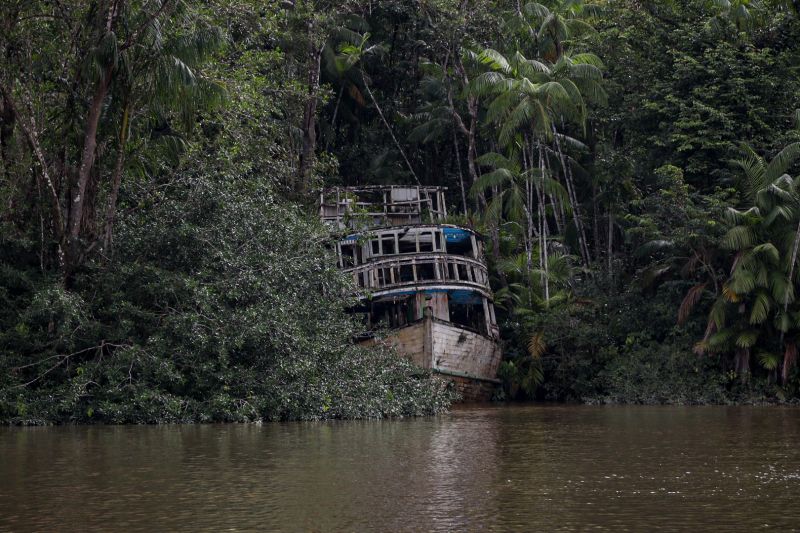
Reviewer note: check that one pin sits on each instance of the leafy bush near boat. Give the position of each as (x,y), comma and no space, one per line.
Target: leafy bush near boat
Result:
(220,305)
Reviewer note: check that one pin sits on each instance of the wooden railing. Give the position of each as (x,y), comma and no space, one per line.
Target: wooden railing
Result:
(387,205)
(420,269)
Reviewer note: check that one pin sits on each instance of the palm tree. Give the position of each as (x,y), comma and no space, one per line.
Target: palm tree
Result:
(161,78)
(744,14)
(131,67)
(338,67)
(519,198)
(755,304)
(551,25)
(531,98)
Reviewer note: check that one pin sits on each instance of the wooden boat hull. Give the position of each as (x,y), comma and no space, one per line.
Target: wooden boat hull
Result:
(462,356)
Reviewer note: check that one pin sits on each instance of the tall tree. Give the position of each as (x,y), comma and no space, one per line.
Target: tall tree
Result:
(71,74)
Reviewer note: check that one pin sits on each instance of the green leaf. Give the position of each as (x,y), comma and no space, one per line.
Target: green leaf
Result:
(769,361)
(781,162)
(747,338)
(739,238)
(760,309)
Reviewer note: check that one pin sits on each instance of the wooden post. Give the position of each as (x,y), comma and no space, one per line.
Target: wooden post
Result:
(427,343)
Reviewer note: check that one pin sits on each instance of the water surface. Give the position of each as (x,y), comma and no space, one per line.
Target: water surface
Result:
(486,468)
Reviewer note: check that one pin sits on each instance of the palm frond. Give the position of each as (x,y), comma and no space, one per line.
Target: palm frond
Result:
(494,209)
(782,290)
(755,172)
(734,217)
(747,338)
(495,60)
(742,281)
(717,315)
(782,321)
(768,251)
(588,59)
(729,294)
(515,204)
(768,360)
(739,238)
(537,345)
(760,309)
(497,160)
(495,178)
(693,296)
(487,83)
(781,162)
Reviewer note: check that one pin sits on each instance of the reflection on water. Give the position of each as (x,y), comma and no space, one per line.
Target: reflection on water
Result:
(487,468)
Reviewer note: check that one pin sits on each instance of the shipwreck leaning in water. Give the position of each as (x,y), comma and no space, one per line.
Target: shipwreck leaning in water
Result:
(424,280)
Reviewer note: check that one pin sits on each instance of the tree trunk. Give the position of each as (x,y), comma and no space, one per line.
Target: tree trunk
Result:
(795,247)
(116,181)
(529,232)
(29,130)
(309,126)
(742,363)
(78,207)
(472,149)
(460,173)
(789,361)
(333,120)
(544,231)
(573,197)
(494,230)
(610,244)
(7,120)
(596,222)
(471,132)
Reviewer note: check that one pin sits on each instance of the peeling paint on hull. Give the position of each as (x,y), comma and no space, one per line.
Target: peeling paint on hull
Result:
(466,358)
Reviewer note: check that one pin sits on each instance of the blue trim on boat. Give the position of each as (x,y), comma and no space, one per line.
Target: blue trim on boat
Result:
(459,296)
(455,235)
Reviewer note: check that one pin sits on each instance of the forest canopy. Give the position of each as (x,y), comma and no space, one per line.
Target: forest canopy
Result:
(632,166)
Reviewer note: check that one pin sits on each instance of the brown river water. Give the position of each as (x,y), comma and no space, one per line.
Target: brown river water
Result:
(517,468)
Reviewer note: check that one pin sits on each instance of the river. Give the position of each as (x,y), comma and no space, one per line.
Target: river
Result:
(515,468)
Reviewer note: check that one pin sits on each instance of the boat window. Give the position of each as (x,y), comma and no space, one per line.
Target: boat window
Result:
(392,313)
(460,247)
(468,315)
(383,277)
(347,252)
(407,244)
(406,273)
(426,241)
(388,245)
(425,271)
(462,273)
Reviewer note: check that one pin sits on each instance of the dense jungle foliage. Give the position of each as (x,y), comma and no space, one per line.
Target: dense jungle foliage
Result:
(631,164)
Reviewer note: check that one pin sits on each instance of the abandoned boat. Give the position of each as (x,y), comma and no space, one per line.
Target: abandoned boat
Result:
(424,281)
